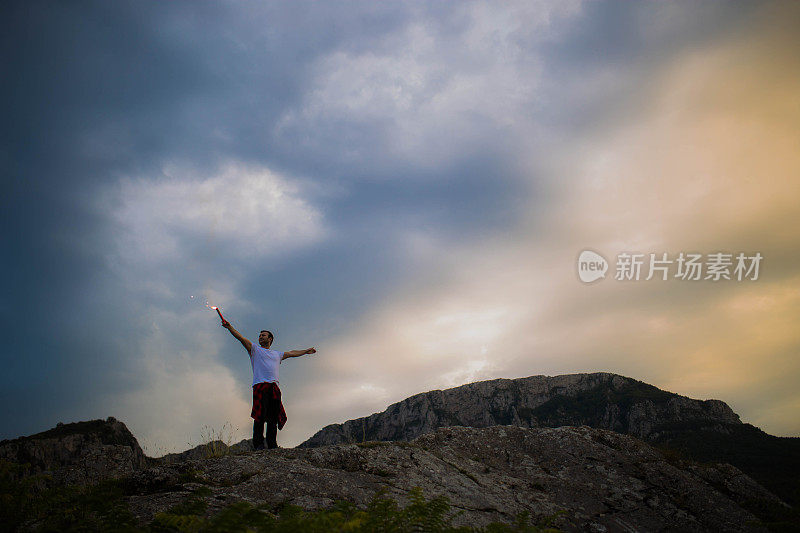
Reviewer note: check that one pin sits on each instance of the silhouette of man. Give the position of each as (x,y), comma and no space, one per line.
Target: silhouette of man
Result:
(267,405)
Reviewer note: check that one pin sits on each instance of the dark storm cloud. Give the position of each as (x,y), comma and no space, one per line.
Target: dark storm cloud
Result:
(604,64)
(96,91)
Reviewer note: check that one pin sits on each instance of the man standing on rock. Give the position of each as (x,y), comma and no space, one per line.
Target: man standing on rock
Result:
(267,405)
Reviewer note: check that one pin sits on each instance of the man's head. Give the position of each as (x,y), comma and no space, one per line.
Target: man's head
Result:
(265,338)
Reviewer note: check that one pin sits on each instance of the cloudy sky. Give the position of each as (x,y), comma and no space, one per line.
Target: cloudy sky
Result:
(404,185)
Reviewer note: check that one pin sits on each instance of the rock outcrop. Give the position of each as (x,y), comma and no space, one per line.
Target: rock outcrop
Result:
(703,430)
(78,453)
(600,400)
(598,479)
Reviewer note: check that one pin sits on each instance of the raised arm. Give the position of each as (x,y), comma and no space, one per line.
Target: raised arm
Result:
(246,343)
(297,353)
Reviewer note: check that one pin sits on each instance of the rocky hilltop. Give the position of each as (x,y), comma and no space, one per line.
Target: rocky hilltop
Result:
(703,430)
(597,480)
(77,453)
(601,400)
(578,478)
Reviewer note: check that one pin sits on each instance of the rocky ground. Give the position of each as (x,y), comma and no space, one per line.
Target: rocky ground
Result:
(703,430)
(599,480)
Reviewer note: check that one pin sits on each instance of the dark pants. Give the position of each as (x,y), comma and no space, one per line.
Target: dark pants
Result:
(258,435)
(267,409)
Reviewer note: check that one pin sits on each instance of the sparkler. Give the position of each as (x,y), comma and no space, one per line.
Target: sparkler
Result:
(215,308)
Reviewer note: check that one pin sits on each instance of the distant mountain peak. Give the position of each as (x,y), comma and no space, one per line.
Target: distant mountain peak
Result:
(599,399)
(702,430)
(79,452)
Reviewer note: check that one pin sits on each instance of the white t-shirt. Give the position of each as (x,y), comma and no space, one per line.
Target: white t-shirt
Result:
(265,364)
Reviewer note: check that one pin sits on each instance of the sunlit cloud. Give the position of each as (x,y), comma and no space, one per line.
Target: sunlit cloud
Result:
(249,212)
(709,164)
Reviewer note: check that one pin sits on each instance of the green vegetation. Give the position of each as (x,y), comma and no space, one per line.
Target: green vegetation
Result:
(382,515)
(446,417)
(773,516)
(216,443)
(373,444)
(31,502)
(589,407)
(772,461)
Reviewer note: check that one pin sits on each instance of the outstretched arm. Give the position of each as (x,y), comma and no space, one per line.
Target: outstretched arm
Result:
(297,353)
(246,343)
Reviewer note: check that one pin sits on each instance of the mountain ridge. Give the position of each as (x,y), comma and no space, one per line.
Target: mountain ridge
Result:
(525,400)
(702,430)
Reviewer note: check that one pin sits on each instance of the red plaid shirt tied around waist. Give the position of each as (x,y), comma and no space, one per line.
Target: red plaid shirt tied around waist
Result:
(267,405)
